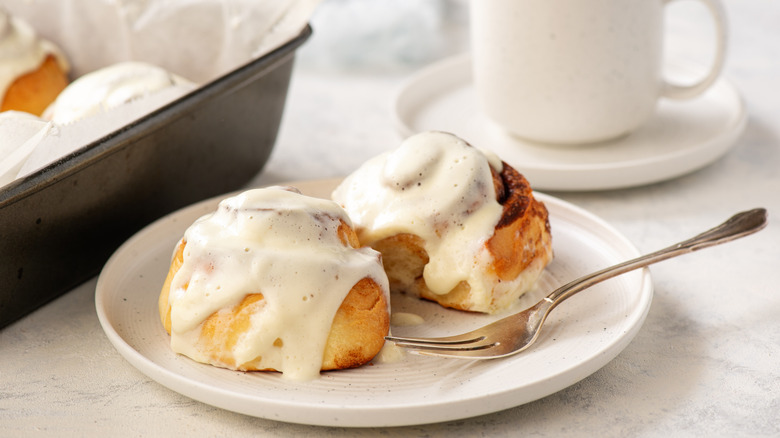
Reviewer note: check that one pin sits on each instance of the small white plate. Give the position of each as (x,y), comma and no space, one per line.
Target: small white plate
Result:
(581,336)
(682,136)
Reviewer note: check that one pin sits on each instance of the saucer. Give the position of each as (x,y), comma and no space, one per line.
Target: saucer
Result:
(682,136)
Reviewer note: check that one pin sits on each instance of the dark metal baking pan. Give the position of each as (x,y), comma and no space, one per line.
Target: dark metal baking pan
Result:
(60,224)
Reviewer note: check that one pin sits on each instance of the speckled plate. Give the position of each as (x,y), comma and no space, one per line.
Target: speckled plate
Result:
(682,135)
(582,335)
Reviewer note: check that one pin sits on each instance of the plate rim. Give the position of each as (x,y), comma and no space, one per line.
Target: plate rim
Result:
(323,414)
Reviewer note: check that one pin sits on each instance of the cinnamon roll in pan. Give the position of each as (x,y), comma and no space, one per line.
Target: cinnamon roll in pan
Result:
(112,86)
(33,71)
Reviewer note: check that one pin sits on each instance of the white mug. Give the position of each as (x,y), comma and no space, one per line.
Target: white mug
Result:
(576,71)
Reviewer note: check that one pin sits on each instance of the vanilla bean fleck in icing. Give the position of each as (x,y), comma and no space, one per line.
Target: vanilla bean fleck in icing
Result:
(281,244)
(110,87)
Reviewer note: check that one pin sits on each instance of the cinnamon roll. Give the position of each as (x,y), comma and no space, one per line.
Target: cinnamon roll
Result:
(275,280)
(33,71)
(454,224)
(112,86)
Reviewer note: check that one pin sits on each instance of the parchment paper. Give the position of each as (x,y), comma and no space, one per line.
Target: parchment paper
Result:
(199,40)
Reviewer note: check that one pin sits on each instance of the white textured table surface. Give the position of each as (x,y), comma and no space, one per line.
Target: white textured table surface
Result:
(706,362)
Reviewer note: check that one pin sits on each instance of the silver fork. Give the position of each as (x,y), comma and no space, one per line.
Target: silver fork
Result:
(517,332)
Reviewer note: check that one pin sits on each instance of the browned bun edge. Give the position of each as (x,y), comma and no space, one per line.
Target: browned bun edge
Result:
(33,92)
(359,327)
(523,216)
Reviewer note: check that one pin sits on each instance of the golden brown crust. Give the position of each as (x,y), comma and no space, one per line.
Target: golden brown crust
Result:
(521,244)
(162,303)
(359,327)
(523,232)
(221,331)
(34,91)
(356,334)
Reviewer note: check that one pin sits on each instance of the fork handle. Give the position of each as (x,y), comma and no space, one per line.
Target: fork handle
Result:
(739,225)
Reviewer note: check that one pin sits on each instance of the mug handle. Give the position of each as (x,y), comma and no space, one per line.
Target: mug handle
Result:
(673,91)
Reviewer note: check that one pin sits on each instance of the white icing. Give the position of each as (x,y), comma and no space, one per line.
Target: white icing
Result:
(284,245)
(390,353)
(439,188)
(22,50)
(405,319)
(108,88)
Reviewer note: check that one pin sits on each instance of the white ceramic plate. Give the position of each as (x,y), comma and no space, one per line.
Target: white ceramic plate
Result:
(581,336)
(681,137)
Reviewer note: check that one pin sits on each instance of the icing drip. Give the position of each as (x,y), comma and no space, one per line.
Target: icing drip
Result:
(284,246)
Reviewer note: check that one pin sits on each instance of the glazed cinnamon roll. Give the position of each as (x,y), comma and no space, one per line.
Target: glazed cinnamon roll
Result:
(33,71)
(110,87)
(275,280)
(454,224)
